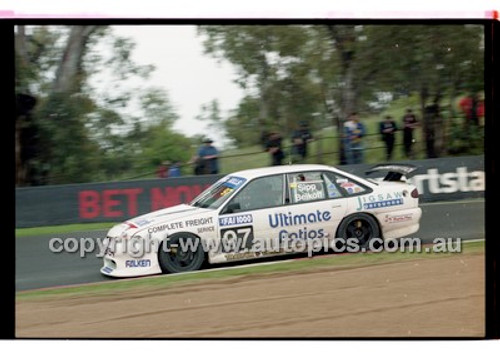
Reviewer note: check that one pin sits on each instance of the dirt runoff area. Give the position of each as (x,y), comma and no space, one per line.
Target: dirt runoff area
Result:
(422,298)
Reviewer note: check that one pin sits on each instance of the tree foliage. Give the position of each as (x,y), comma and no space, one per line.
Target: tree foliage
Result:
(212,115)
(84,128)
(78,121)
(321,73)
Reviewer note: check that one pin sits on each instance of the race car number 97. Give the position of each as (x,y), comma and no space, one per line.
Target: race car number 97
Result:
(237,238)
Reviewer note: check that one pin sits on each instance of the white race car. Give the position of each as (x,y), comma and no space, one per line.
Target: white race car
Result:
(265,212)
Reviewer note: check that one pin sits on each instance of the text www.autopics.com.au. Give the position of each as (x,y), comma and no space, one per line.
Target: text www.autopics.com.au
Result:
(138,247)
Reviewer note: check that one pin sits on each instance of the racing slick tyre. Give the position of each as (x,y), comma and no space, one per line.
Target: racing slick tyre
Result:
(360,230)
(181,252)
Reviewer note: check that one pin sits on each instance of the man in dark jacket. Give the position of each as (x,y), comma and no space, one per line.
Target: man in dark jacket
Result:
(273,146)
(409,124)
(388,130)
(300,138)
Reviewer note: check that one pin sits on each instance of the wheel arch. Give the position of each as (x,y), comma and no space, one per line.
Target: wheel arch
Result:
(166,237)
(372,216)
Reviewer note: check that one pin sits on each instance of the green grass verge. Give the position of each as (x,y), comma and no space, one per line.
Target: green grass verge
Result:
(306,264)
(61,229)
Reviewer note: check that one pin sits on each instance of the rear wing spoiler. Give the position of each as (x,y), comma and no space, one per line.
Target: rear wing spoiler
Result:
(394,171)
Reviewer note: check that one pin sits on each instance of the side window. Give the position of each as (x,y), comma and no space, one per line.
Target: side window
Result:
(265,192)
(306,187)
(332,189)
(343,184)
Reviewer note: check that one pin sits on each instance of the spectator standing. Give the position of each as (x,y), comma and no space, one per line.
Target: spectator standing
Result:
(354,131)
(162,171)
(409,124)
(388,130)
(300,138)
(208,156)
(473,108)
(174,170)
(273,146)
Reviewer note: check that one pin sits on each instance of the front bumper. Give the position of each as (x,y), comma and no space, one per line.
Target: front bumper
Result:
(117,262)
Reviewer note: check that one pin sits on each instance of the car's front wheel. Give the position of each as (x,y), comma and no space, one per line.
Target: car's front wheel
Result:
(358,229)
(181,253)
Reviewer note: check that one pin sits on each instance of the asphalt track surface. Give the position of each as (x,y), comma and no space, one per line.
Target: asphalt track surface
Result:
(37,267)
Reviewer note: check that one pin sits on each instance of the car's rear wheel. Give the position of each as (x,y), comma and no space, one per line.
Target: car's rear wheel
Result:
(181,253)
(361,229)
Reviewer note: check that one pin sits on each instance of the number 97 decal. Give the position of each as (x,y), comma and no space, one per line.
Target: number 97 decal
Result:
(236,239)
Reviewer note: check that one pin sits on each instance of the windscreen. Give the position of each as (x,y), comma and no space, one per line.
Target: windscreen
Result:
(218,193)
